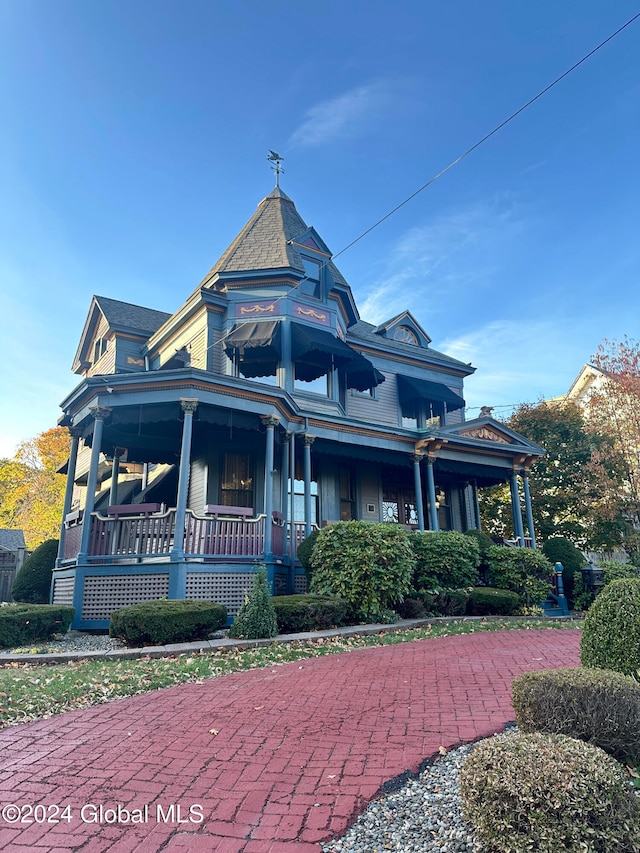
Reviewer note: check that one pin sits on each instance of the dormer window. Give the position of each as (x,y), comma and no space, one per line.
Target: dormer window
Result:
(405,335)
(311,285)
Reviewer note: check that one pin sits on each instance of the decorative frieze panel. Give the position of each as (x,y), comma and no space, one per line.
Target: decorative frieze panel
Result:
(486,433)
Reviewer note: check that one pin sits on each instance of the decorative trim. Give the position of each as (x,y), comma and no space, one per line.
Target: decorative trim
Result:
(189,405)
(486,433)
(270,421)
(311,313)
(258,308)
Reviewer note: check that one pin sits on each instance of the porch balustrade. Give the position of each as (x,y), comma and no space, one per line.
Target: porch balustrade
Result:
(121,537)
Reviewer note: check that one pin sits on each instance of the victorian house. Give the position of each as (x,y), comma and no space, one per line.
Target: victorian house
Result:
(219,436)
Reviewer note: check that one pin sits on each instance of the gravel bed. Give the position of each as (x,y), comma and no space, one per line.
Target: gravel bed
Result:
(422,816)
(73,641)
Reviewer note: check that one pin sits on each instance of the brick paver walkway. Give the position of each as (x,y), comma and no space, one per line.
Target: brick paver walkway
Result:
(275,760)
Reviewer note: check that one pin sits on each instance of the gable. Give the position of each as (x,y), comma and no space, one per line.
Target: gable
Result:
(404,328)
(487,429)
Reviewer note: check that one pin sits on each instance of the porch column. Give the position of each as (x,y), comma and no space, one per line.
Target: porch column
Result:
(292,498)
(528,509)
(75,434)
(99,414)
(284,485)
(177,552)
(115,474)
(476,501)
(518,529)
(270,422)
(417,480)
(431,490)
(308,441)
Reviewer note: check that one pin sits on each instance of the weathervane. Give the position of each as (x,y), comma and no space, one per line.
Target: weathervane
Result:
(277,168)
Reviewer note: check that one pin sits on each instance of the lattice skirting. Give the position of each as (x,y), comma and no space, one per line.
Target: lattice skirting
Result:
(104,593)
(228,588)
(300,584)
(63,591)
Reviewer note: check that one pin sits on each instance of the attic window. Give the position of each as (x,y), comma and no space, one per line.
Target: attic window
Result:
(311,285)
(405,335)
(99,349)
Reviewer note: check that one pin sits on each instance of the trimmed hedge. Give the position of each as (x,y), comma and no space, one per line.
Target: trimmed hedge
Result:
(446,602)
(369,565)
(32,584)
(489,601)
(304,552)
(445,559)
(296,613)
(594,705)
(548,793)
(522,570)
(167,621)
(24,623)
(611,633)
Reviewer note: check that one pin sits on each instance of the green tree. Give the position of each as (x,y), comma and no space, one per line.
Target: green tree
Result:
(573,487)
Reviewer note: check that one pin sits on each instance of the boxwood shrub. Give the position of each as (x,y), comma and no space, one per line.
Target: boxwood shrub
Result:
(369,565)
(548,793)
(611,633)
(445,559)
(489,601)
(167,621)
(446,602)
(594,705)
(24,623)
(296,613)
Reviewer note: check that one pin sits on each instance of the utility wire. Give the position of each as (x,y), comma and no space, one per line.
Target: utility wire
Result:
(457,160)
(487,136)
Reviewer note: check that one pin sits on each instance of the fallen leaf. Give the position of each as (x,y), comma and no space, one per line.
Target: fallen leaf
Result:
(442,750)
(213,732)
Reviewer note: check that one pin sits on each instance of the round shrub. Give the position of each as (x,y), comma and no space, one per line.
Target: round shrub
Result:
(614,570)
(611,633)
(33,581)
(444,559)
(597,706)
(548,793)
(24,623)
(163,620)
(257,617)
(369,565)
(522,570)
(561,550)
(488,601)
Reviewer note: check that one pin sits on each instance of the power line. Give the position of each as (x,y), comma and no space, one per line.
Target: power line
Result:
(488,135)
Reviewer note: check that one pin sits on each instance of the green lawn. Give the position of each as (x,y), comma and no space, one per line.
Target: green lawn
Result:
(29,691)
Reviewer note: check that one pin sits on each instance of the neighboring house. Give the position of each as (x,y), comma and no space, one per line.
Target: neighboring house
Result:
(589,381)
(262,408)
(13,551)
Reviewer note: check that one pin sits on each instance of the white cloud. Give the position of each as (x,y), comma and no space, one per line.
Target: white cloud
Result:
(343,115)
(442,259)
(517,361)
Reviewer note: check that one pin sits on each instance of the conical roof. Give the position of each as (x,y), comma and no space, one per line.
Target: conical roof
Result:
(265,242)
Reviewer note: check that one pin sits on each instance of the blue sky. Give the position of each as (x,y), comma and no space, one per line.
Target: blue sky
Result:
(133,149)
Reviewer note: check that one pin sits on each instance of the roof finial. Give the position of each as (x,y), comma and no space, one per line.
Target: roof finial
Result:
(277,159)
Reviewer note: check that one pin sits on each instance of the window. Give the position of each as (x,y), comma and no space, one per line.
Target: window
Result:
(298,500)
(347,495)
(99,349)
(311,286)
(236,488)
(409,423)
(314,386)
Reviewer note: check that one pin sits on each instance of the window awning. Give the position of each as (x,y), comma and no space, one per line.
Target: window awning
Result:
(411,391)
(316,351)
(256,345)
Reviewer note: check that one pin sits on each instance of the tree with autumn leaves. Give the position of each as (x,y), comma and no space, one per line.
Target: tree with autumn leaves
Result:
(587,487)
(31,492)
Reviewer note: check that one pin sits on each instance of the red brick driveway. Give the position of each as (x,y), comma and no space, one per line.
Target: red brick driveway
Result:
(267,761)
